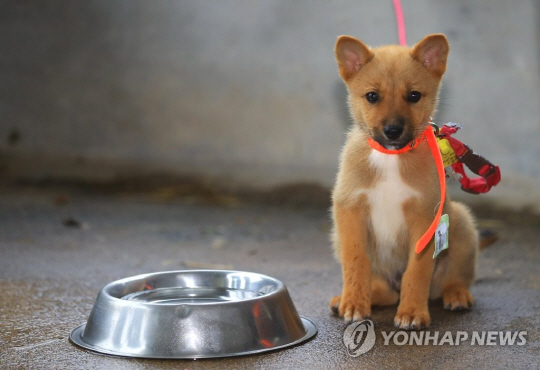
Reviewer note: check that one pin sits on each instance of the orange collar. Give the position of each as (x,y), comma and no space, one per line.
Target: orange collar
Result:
(410,146)
(428,136)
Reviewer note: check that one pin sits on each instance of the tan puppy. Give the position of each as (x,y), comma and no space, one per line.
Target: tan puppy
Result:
(384,203)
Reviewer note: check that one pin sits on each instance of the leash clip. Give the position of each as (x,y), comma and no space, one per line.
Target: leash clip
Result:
(436,128)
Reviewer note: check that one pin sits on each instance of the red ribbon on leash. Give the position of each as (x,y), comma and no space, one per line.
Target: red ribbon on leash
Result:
(490,174)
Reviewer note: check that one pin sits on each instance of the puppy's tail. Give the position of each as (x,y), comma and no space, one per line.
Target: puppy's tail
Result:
(487,238)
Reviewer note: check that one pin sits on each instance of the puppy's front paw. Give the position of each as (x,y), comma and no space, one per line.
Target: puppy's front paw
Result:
(351,308)
(412,319)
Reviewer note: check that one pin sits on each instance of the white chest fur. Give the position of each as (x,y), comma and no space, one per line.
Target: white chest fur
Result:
(386,199)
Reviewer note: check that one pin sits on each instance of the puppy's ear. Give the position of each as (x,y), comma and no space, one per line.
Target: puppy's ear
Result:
(351,56)
(432,52)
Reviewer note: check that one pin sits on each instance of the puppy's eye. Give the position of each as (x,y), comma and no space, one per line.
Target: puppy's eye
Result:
(372,97)
(414,97)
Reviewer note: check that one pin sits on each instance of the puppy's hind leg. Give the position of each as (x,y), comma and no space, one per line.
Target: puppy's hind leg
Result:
(456,271)
(382,294)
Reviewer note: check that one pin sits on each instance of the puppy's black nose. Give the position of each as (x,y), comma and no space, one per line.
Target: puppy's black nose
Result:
(393,132)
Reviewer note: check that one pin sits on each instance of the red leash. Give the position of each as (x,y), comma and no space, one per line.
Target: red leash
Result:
(436,152)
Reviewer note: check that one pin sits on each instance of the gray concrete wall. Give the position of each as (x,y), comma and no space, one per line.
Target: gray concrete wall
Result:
(246,93)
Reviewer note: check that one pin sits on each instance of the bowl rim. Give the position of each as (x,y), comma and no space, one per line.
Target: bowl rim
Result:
(106,290)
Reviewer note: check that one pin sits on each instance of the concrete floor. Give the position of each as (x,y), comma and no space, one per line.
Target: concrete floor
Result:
(58,247)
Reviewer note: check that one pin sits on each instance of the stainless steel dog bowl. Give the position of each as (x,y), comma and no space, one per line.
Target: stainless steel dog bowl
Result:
(193,314)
